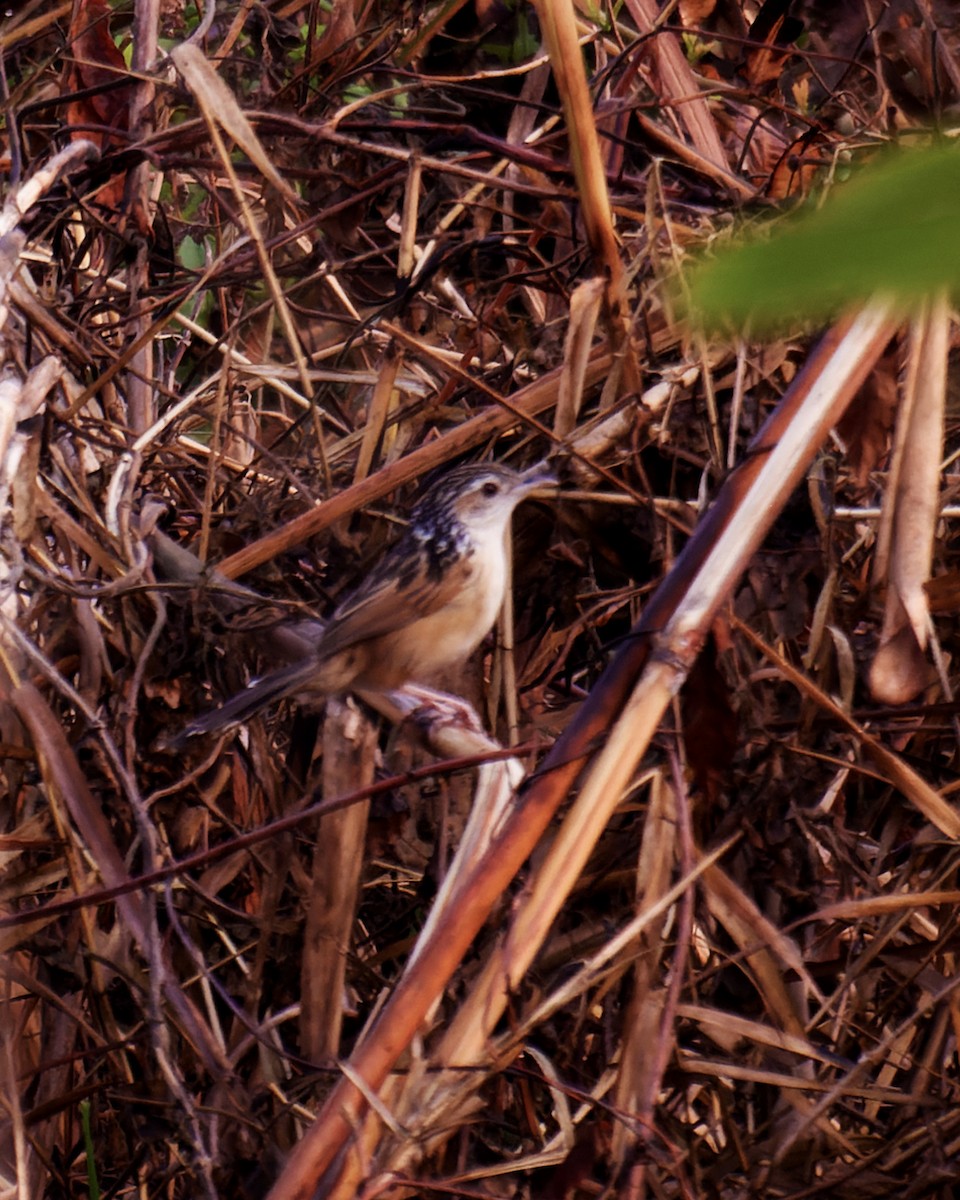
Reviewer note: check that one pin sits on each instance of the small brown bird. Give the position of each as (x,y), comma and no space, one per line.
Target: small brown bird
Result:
(425,607)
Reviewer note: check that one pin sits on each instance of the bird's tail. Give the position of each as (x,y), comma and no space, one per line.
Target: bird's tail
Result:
(257,695)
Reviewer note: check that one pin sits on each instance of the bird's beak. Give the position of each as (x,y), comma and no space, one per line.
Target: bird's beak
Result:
(539,480)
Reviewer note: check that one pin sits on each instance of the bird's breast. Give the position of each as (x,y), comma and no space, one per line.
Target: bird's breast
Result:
(448,636)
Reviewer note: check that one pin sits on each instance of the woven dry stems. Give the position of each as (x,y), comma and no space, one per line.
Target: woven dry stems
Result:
(296,271)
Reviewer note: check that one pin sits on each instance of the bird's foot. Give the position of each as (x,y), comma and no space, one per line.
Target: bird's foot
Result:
(442,710)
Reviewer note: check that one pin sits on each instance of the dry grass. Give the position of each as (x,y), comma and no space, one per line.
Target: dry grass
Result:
(708,946)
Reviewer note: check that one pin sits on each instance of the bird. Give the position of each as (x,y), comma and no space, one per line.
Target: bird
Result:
(424,608)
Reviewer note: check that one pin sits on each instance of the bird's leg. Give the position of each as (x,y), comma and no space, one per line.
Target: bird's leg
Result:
(435,708)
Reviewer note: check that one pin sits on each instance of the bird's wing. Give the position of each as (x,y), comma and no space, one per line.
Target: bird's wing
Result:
(396,594)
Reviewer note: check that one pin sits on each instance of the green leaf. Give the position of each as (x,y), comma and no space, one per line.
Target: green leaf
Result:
(191,253)
(893,229)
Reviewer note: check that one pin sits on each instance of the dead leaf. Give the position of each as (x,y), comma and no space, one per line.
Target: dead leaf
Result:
(899,671)
(710,723)
(101,113)
(585,302)
(219,105)
(866,425)
(911,510)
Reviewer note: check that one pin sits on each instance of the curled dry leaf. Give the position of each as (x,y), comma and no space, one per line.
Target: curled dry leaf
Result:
(911,511)
(900,670)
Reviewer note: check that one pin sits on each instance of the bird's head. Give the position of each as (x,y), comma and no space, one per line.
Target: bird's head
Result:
(480,497)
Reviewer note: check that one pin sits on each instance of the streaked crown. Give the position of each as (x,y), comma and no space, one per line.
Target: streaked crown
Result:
(478,497)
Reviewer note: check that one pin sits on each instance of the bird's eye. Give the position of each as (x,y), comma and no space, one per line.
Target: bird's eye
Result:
(490,488)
